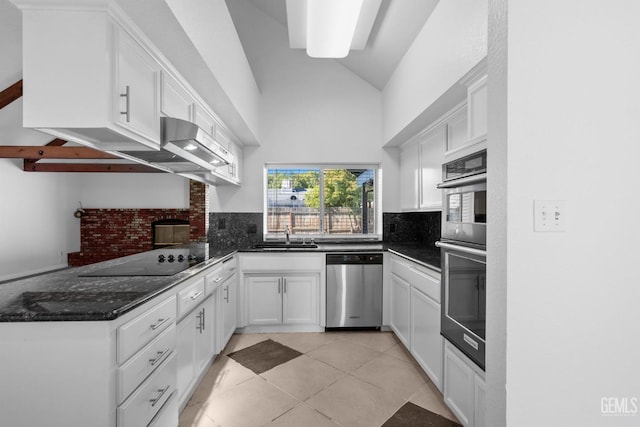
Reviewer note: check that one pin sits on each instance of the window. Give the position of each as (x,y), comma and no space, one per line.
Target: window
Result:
(318,201)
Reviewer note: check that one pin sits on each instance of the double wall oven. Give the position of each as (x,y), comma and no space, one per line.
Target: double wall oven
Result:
(463,248)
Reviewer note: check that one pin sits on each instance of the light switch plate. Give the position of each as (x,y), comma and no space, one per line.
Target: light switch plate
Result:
(549,215)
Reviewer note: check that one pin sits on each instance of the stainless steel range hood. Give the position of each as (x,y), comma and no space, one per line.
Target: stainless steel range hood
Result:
(184,148)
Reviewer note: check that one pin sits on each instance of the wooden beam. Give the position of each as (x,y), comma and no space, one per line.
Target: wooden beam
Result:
(56,143)
(31,166)
(52,152)
(10,94)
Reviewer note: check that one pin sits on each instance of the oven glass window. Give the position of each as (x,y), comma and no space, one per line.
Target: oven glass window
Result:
(466,292)
(470,207)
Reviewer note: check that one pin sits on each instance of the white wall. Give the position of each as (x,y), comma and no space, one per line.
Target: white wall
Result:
(453,40)
(311,111)
(572,133)
(211,30)
(140,190)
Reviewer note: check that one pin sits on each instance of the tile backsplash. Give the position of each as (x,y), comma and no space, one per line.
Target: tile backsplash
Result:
(419,227)
(244,229)
(234,229)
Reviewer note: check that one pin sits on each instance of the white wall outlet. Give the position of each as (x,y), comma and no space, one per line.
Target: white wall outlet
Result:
(549,215)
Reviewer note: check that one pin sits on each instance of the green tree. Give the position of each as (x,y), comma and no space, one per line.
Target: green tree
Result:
(340,190)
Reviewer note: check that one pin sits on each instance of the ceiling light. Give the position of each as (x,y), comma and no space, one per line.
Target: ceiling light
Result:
(330,28)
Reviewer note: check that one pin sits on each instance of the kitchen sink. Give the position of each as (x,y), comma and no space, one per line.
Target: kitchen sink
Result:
(284,245)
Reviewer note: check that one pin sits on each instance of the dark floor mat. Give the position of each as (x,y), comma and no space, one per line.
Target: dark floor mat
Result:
(411,415)
(264,356)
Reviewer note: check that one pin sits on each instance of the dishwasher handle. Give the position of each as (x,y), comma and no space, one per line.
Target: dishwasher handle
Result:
(354,258)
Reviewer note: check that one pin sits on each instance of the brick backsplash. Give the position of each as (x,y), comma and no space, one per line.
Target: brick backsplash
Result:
(111,233)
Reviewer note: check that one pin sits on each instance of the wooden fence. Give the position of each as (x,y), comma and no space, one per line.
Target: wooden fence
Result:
(307,221)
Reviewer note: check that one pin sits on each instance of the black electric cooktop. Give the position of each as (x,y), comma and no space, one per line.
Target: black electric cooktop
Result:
(162,263)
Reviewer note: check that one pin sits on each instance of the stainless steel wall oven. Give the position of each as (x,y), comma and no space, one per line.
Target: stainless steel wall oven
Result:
(463,248)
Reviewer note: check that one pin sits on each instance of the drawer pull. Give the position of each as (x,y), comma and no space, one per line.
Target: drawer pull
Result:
(217,280)
(160,323)
(159,356)
(196,295)
(162,391)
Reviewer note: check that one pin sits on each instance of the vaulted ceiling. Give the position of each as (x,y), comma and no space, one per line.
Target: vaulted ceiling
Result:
(396,26)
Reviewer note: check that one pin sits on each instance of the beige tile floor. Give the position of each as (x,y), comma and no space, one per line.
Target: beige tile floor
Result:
(341,379)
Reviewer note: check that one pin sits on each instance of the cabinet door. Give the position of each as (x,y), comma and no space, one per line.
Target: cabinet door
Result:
(137,86)
(230,303)
(457,130)
(458,387)
(432,146)
(477,109)
(204,120)
(480,393)
(400,308)
(264,299)
(205,331)
(300,299)
(409,176)
(175,102)
(426,341)
(186,348)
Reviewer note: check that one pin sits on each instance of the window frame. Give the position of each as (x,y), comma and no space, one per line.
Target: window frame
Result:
(376,235)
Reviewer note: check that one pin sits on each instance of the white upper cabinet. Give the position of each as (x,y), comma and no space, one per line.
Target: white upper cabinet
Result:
(468,128)
(175,101)
(477,107)
(204,120)
(136,81)
(88,81)
(432,146)
(409,176)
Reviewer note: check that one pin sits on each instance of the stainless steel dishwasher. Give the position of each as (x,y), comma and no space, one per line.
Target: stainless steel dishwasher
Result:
(354,290)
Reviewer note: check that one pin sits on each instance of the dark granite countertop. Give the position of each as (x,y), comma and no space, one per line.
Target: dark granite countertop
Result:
(427,255)
(63,295)
(66,295)
(422,253)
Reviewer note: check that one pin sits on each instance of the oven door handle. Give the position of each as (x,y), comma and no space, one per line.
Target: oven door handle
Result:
(482,177)
(464,249)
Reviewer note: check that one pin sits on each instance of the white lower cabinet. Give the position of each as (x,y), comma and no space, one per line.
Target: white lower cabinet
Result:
(426,341)
(464,391)
(291,299)
(400,306)
(196,334)
(415,314)
(227,309)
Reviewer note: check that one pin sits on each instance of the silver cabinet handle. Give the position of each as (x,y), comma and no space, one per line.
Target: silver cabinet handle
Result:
(217,280)
(196,295)
(160,323)
(226,294)
(127,96)
(464,249)
(159,356)
(162,391)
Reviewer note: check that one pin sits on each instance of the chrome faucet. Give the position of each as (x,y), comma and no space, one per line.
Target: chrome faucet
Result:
(287,233)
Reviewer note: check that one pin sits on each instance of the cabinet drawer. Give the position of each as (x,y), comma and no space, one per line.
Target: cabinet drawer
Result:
(147,400)
(220,274)
(137,333)
(168,415)
(143,363)
(419,277)
(190,297)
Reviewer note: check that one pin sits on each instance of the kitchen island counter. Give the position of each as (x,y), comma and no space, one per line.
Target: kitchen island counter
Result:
(66,295)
